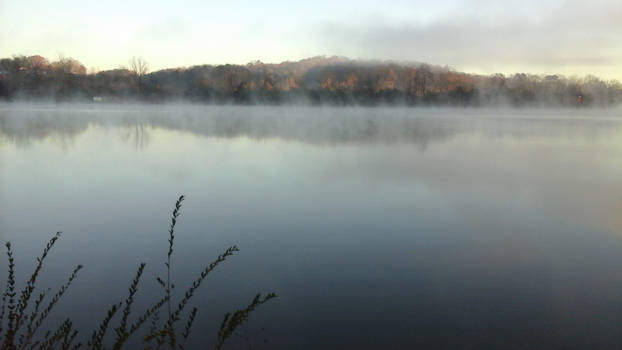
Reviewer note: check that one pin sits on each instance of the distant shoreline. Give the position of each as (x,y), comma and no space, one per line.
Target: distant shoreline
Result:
(315,81)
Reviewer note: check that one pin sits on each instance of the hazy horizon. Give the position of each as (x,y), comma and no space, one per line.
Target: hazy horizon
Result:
(482,37)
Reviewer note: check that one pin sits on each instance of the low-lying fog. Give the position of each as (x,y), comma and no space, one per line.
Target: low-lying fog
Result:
(377,227)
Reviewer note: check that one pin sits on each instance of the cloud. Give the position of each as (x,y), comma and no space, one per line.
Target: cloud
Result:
(573,36)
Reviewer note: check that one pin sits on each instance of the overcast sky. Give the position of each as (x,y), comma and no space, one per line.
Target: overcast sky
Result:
(484,36)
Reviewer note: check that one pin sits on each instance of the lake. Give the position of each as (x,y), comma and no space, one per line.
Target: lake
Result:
(377,227)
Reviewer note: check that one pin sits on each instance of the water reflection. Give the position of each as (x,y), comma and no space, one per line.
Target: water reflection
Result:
(309,125)
(378,227)
(137,135)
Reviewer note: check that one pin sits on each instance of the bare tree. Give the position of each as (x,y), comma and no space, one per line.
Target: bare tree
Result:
(139,66)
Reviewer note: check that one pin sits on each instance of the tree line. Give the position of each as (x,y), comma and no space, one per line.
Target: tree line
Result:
(317,80)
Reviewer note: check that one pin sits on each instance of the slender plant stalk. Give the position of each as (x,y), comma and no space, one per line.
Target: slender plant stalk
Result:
(52,338)
(232,321)
(188,327)
(50,306)
(10,283)
(20,320)
(10,294)
(171,239)
(30,285)
(97,339)
(25,338)
(121,331)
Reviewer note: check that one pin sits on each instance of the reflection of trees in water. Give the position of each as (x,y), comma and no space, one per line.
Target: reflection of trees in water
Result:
(136,135)
(339,126)
(321,126)
(23,129)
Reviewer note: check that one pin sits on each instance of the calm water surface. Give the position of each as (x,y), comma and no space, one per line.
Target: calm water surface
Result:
(378,228)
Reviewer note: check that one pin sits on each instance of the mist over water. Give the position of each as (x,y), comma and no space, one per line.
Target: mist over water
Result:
(377,227)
